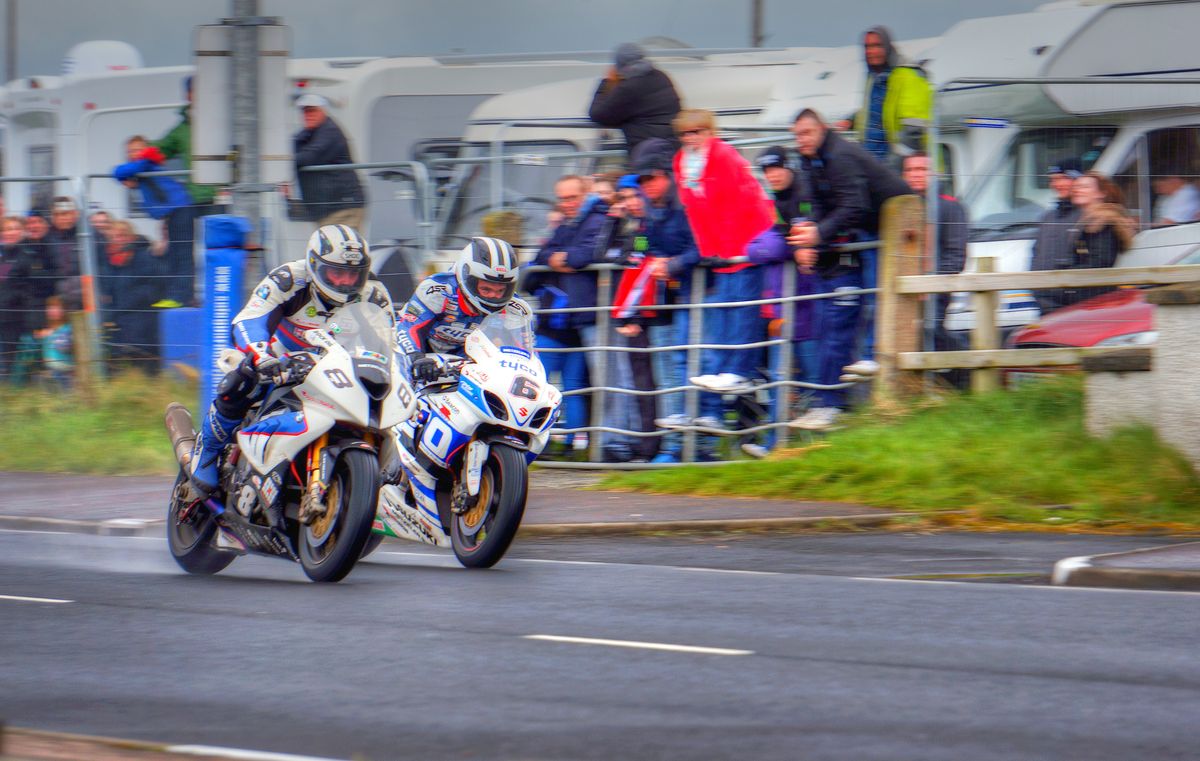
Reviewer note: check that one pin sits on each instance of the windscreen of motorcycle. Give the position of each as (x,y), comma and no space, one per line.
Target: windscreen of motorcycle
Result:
(365,331)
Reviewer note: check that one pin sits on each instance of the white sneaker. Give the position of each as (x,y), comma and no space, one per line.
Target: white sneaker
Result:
(853,378)
(818,419)
(866,367)
(677,420)
(580,442)
(724,383)
(708,421)
(757,451)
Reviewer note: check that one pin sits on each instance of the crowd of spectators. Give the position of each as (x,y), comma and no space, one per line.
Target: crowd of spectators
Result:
(691,206)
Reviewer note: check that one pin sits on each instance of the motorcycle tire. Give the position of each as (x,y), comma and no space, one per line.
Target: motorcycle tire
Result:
(191,540)
(353,491)
(480,536)
(372,544)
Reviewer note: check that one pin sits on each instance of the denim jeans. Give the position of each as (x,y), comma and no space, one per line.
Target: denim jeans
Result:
(618,410)
(572,368)
(804,368)
(870,278)
(670,368)
(732,326)
(836,326)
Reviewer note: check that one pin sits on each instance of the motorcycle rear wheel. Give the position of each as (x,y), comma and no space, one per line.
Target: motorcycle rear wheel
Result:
(352,495)
(191,539)
(480,536)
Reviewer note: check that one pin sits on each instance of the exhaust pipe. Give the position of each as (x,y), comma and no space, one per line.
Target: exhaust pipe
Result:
(183,435)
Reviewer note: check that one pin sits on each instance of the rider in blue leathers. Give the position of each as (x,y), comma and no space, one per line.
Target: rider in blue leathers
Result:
(293,298)
(447,306)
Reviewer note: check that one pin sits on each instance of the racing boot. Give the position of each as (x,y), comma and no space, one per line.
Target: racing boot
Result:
(214,434)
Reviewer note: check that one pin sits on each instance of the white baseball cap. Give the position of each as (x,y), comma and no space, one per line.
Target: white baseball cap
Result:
(311,100)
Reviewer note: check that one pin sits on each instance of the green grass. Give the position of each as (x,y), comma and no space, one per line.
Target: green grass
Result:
(120,432)
(1011,457)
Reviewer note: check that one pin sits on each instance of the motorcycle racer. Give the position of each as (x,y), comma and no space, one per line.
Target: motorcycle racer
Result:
(294,297)
(446,307)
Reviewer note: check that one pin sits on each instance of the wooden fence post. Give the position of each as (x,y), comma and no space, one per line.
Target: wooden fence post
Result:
(898,319)
(984,334)
(86,368)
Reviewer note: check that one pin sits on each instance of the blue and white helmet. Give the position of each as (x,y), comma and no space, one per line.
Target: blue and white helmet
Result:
(338,263)
(487,260)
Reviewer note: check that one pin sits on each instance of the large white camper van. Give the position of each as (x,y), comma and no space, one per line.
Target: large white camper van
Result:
(1130,131)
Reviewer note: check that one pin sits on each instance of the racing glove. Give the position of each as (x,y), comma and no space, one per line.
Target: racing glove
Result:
(266,364)
(426,368)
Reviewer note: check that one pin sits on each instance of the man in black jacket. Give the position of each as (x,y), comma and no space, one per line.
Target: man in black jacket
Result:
(330,197)
(636,97)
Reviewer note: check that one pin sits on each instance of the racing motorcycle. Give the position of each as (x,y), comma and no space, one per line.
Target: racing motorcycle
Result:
(458,469)
(301,481)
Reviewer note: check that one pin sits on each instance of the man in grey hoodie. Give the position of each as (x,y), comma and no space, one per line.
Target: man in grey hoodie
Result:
(895,92)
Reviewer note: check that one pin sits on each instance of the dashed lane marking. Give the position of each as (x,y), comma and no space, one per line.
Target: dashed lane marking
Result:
(638,645)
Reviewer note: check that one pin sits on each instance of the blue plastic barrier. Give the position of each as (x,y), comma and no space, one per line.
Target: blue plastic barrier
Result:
(224,271)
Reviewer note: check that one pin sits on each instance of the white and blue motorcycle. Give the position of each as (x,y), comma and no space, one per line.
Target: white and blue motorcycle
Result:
(457,472)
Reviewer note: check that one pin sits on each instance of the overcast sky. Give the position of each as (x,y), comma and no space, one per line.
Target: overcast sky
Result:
(162,29)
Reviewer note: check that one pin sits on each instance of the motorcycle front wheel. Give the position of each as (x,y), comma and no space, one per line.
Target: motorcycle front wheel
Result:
(481,535)
(190,530)
(333,543)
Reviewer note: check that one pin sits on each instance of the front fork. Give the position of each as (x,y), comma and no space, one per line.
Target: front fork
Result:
(312,502)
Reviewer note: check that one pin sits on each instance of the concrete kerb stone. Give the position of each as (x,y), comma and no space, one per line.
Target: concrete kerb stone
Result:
(140,527)
(1106,571)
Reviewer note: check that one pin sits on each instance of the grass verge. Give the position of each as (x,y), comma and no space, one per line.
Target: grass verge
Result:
(1011,459)
(118,432)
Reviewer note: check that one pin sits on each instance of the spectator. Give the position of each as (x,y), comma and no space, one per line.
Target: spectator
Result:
(673,256)
(791,201)
(166,199)
(606,188)
(100,221)
(634,288)
(895,93)
(727,209)
(48,350)
(176,147)
(16,296)
(62,243)
(1053,242)
(1103,231)
(840,208)
(635,97)
(130,283)
(571,247)
(330,197)
(951,254)
(1178,200)
(43,267)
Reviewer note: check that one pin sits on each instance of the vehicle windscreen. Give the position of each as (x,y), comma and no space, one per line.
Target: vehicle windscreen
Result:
(509,328)
(1005,203)
(363,326)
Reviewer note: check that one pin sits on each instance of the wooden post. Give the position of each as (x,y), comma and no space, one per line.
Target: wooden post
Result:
(984,334)
(898,323)
(85,363)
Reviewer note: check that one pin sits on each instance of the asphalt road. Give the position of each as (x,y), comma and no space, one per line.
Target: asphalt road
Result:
(413,657)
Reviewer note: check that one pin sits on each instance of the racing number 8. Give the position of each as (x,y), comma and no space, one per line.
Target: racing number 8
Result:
(338,379)
(524,388)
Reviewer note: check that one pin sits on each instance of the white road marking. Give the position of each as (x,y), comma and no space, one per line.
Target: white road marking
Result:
(638,645)
(250,755)
(17,598)
(551,562)
(1022,587)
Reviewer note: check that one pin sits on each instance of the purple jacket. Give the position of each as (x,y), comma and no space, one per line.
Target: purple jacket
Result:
(771,251)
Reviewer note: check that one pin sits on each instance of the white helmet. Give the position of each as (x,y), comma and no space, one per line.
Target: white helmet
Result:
(487,260)
(338,263)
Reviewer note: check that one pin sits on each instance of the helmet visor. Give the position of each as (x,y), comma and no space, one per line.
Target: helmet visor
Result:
(348,279)
(492,293)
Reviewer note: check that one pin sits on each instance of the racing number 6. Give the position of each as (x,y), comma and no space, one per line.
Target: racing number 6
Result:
(524,388)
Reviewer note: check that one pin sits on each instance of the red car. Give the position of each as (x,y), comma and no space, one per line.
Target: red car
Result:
(1118,318)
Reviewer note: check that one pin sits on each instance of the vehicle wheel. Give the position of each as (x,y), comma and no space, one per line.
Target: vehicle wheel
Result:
(481,535)
(332,544)
(373,542)
(190,537)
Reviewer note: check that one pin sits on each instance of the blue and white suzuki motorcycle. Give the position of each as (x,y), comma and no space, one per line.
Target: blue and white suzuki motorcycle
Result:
(457,471)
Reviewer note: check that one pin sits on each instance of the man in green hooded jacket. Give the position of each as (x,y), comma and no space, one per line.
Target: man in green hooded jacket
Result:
(895,91)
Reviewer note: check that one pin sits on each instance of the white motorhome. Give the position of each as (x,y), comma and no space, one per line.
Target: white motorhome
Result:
(1130,132)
